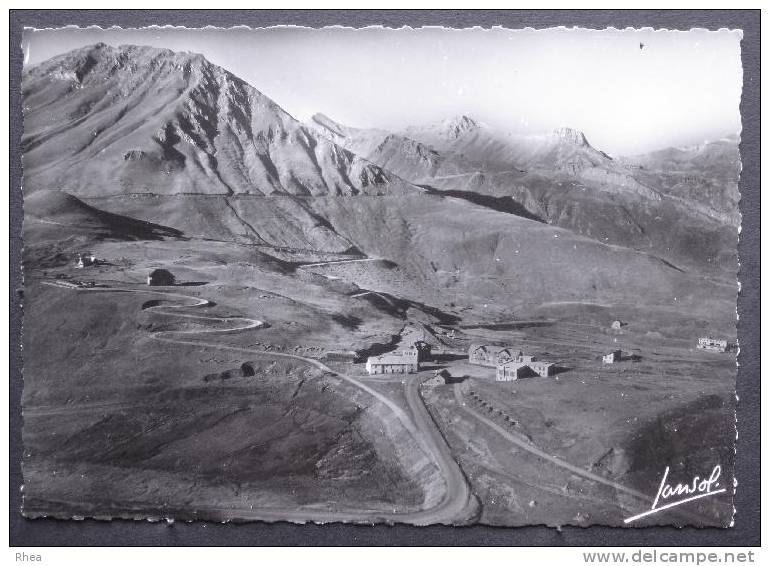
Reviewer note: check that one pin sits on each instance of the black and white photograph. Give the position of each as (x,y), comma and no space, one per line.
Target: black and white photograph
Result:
(415,275)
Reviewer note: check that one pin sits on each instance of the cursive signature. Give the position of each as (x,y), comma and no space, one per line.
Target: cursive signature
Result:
(682,492)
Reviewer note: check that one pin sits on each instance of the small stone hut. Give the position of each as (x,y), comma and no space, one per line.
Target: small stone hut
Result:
(612,357)
(160,277)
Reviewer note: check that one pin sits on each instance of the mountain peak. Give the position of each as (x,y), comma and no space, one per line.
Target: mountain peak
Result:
(174,123)
(103,60)
(459,125)
(571,135)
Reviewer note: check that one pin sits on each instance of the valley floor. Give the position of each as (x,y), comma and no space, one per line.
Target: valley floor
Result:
(213,399)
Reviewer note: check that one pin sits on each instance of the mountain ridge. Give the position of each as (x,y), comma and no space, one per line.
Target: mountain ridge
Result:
(149,119)
(102,121)
(558,176)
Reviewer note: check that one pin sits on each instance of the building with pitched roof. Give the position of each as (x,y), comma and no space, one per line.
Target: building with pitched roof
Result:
(491,356)
(403,361)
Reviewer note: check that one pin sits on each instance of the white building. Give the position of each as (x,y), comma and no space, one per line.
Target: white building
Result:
(493,356)
(612,357)
(404,361)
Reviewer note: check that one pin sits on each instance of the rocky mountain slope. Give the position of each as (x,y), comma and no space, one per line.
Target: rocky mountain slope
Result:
(173,140)
(104,120)
(681,205)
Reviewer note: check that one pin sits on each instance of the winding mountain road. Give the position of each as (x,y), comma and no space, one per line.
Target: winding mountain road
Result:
(456,505)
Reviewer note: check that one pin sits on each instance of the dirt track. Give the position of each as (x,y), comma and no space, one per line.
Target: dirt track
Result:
(578,471)
(544,455)
(457,505)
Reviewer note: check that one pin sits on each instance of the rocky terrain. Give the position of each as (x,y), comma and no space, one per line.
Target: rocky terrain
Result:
(680,204)
(104,120)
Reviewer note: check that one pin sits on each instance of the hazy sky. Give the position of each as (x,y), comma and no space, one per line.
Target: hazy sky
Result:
(681,88)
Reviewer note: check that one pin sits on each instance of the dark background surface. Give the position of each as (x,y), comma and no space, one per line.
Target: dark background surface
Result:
(746,532)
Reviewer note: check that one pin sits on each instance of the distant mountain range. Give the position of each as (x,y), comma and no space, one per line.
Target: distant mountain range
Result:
(678,203)
(456,153)
(126,121)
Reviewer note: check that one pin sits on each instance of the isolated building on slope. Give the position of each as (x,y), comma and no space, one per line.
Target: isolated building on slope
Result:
(612,357)
(84,260)
(511,371)
(713,344)
(394,362)
(160,277)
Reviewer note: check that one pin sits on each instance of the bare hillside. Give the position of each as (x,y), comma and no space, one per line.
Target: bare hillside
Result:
(103,120)
(680,204)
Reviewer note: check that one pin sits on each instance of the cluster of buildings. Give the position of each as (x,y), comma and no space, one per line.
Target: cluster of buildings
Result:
(509,364)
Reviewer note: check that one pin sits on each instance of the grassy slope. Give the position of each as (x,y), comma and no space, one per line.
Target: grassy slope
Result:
(478,255)
(156,420)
